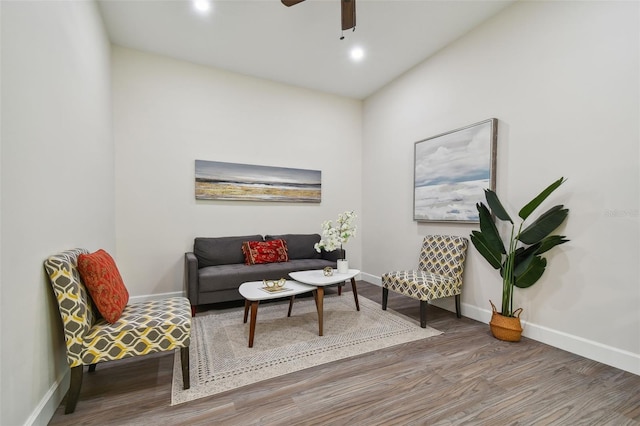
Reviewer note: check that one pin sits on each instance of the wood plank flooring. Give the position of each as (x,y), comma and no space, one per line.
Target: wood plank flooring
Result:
(462,377)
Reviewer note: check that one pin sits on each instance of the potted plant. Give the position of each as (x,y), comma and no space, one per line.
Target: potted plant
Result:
(520,263)
(333,237)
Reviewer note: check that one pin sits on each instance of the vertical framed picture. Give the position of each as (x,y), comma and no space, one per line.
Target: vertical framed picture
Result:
(451,172)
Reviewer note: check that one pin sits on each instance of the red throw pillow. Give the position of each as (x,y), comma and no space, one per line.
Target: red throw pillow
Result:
(265,252)
(105,285)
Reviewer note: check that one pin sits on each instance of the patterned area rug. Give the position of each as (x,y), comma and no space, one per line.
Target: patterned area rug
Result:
(220,359)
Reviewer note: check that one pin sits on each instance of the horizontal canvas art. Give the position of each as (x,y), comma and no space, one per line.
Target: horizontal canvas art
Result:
(232,181)
(451,172)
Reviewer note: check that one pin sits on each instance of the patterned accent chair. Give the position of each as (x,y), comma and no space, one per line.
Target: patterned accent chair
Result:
(143,328)
(439,274)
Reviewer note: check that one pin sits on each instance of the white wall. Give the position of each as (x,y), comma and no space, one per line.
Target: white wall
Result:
(57,180)
(169,113)
(563,80)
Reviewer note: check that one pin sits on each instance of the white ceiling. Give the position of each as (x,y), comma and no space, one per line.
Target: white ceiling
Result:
(298,45)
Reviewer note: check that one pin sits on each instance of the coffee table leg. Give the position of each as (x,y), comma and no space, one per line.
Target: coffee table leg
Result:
(355,293)
(246,310)
(319,305)
(252,324)
(290,305)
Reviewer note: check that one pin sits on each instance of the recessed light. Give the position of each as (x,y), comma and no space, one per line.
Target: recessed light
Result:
(202,6)
(357,53)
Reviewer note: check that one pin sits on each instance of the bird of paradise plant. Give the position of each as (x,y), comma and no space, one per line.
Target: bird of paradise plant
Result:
(522,264)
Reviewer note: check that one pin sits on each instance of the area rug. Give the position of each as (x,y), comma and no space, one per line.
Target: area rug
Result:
(220,359)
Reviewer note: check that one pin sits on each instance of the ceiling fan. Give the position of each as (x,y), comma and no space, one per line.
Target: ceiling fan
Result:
(348,12)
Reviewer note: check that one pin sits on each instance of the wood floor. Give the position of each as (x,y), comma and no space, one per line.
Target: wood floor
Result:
(462,377)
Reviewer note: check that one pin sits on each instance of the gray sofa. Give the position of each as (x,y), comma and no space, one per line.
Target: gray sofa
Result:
(215,269)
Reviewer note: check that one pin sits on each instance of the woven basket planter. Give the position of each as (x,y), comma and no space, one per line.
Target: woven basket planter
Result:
(504,328)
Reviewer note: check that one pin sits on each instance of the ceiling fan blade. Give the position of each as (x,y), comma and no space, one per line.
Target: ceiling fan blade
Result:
(291,2)
(348,14)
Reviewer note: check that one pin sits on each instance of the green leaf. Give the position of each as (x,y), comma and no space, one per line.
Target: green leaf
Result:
(526,211)
(496,205)
(523,259)
(544,225)
(489,230)
(523,255)
(550,242)
(480,243)
(528,276)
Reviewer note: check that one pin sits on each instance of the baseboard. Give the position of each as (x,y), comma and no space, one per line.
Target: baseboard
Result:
(371,279)
(49,403)
(595,351)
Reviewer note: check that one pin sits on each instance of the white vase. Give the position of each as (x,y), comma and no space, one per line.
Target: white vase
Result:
(343,266)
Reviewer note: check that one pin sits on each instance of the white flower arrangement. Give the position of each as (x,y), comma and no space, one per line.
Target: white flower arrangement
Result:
(334,237)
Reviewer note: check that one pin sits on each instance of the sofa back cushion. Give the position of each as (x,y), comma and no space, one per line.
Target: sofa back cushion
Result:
(299,246)
(221,250)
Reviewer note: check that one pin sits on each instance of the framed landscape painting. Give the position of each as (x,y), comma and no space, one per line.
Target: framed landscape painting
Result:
(216,180)
(451,172)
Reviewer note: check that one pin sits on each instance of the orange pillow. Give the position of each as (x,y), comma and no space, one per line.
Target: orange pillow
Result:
(265,252)
(105,285)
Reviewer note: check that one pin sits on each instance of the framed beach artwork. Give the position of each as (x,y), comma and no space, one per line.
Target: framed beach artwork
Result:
(216,180)
(451,172)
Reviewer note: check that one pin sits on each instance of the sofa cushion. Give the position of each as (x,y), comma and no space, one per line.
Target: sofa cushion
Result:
(221,250)
(299,246)
(256,252)
(102,278)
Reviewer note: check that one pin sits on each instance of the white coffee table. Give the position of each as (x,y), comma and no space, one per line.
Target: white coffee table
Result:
(253,294)
(317,279)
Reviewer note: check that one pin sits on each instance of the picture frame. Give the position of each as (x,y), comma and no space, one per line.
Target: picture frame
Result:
(216,180)
(451,172)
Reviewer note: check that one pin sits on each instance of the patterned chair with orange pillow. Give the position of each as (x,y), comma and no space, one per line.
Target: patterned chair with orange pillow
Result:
(99,324)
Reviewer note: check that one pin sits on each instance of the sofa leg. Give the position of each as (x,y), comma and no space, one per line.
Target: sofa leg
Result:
(423,313)
(194,310)
(385,297)
(92,368)
(458,313)
(184,360)
(74,389)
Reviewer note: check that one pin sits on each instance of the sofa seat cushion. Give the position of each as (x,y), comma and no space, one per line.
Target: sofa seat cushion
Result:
(225,277)
(143,328)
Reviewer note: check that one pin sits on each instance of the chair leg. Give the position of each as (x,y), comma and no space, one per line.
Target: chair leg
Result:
(458,313)
(385,297)
(92,368)
(74,389)
(184,360)
(423,313)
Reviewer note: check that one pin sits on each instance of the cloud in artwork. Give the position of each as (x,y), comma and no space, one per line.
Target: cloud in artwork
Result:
(461,156)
